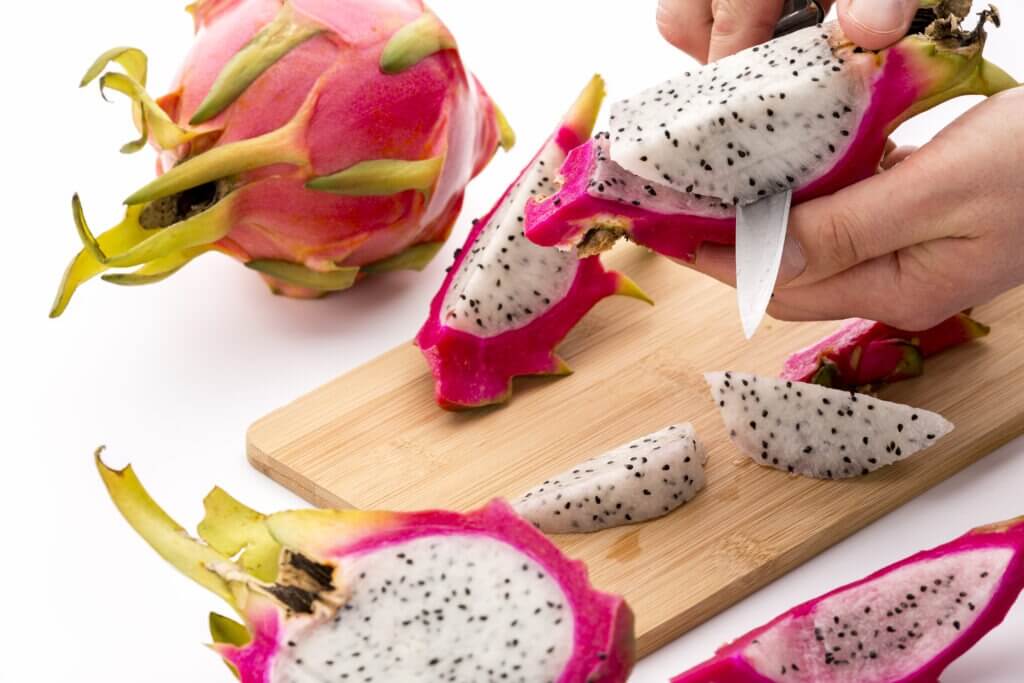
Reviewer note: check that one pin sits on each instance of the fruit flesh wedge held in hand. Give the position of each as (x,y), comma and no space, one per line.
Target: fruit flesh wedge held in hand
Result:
(809,111)
(905,623)
(506,303)
(864,353)
(816,431)
(421,596)
(314,142)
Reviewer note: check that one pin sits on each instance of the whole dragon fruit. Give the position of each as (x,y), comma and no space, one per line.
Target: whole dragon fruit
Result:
(903,624)
(809,111)
(506,302)
(347,595)
(864,353)
(314,141)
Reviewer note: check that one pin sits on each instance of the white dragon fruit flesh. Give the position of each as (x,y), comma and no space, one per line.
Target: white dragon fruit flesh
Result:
(903,624)
(506,302)
(816,431)
(636,482)
(809,111)
(345,595)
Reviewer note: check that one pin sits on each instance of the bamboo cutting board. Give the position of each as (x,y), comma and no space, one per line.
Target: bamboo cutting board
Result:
(374,438)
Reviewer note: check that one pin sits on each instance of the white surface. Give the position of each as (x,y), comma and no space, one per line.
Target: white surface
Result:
(170,376)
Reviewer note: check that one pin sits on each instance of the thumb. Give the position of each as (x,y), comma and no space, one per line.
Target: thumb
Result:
(875,24)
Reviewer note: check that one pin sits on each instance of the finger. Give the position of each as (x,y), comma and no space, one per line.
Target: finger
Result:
(890,147)
(687,25)
(717,261)
(900,289)
(866,220)
(875,24)
(739,24)
(896,156)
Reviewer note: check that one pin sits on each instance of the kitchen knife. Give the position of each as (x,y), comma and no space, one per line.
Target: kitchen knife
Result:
(761,226)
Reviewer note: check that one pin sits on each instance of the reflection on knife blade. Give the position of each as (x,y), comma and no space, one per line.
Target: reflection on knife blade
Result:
(760,238)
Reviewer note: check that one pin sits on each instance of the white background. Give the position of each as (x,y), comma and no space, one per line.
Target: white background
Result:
(170,376)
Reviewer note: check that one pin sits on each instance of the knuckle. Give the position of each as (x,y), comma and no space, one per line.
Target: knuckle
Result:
(839,244)
(728,16)
(735,16)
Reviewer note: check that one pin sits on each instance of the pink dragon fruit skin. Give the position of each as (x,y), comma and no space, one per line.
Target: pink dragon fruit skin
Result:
(472,370)
(293,574)
(988,561)
(867,353)
(254,138)
(904,80)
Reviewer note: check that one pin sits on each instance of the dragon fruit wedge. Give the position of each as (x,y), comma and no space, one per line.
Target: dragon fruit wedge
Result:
(316,142)
(347,595)
(905,623)
(507,303)
(642,480)
(809,111)
(819,432)
(864,353)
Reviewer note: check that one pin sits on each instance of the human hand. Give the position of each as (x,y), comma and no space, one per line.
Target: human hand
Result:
(941,229)
(711,29)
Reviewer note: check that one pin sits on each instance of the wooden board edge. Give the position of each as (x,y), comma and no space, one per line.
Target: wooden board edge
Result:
(291,480)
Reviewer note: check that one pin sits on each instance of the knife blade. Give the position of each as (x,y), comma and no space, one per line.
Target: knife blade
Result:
(760,238)
(761,226)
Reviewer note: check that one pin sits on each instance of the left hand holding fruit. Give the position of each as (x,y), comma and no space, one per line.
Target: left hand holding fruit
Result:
(938,231)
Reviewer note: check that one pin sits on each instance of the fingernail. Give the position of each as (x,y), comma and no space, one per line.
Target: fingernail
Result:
(882,16)
(794,263)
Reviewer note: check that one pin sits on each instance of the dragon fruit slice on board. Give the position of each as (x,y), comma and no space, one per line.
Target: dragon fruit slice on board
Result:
(507,303)
(424,596)
(315,142)
(644,479)
(905,623)
(864,353)
(808,111)
(819,432)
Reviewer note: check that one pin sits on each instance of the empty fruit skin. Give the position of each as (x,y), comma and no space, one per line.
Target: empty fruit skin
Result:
(864,353)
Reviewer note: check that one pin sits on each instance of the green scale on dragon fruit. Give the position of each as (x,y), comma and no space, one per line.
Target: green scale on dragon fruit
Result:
(639,481)
(864,353)
(819,432)
(316,142)
(506,303)
(903,624)
(345,595)
(808,111)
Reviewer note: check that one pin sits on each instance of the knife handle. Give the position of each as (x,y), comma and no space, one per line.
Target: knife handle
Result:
(799,14)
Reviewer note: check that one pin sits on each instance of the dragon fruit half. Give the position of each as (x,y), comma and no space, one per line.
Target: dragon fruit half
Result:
(314,141)
(809,111)
(905,623)
(507,303)
(348,595)
(864,353)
